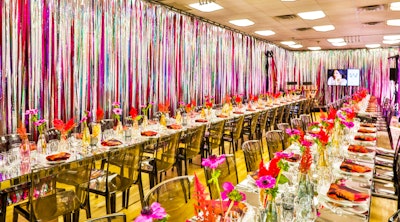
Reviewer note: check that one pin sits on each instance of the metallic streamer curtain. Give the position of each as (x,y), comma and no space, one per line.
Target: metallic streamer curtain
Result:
(66,57)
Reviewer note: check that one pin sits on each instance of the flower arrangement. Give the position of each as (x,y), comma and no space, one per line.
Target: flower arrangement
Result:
(34,117)
(85,117)
(145,108)
(253,98)
(99,114)
(190,106)
(238,99)
(64,128)
(268,179)
(21,130)
(213,162)
(134,114)
(163,108)
(209,102)
(227,99)
(117,110)
(152,212)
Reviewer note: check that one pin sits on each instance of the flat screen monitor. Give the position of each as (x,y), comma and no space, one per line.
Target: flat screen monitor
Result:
(337,77)
(353,77)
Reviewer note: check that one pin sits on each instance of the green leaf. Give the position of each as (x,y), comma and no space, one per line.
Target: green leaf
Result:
(283,179)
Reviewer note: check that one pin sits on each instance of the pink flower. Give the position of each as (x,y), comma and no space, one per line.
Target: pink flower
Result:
(31,112)
(40,122)
(232,194)
(84,119)
(266,182)
(306,143)
(117,111)
(155,211)
(292,132)
(348,124)
(213,161)
(284,155)
(116,104)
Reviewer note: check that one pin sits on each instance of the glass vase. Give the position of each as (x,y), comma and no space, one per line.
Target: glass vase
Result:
(304,201)
(41,144)
(96,132)
(163,120)
(145,122)
(25,155)
(63,145)
(270,213)
(85,135)
(119,131)
(178,118)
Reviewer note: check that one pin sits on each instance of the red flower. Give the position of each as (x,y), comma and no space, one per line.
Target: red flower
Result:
(133,112)
(306,160)
(273,169)
(64,127)
(238,99)
(99,114)
(323,137)
(262,171)
(332,113)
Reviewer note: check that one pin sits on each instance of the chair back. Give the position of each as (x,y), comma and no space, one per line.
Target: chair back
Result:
(274,142)
(254,121)
(279,115)
(115,217)
(286,138)
(107,124)
(306,121)
(271,118)
(262,121)
(3,143)
(228,174)
(395,217)
(59,190)
(286,115)
(296,123)
(252,154)
(51,134)
(193,140)
(237,127)
(166,149)
(175,196)
(215,134)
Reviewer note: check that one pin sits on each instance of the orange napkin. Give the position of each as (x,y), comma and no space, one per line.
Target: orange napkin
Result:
(367,125)
(251,110)
(222,116)
(340,192)
(111,142)
(148,133)
(201,120)
(58,156)
(354,167)
(364,138)
(238,112)
(364,130)
(174,126)
(358,149)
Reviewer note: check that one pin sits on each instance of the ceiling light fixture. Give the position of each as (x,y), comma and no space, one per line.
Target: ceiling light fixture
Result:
(395,6)
(296,46)
(314,48)
(205,2)
(324,28)
(393,22)
(311,15)
(210,7)
(391,37)
(394,41)
(371,46)
(265,32)
(339,43)
(288,43)
(288,0)
(335,40)
(242,22)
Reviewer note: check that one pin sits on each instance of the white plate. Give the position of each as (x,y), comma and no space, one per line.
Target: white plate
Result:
(345,203)
(56,162)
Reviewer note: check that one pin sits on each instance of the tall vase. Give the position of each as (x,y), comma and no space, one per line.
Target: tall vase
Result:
(63,145)
(336,141)
(324,173)
(96,133)
(25,152)
(85,135)
(270,212)
(119,131)
(41,144)
(304,204)
(163,120)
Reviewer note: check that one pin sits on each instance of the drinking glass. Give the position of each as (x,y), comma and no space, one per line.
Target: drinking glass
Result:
(287,206)
(53,146)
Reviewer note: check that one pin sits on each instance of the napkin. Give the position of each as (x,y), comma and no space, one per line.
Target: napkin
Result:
(367,125)
(174,126)
(358,149)
(58,156)
(238,112)
(111,142)
(340,192)
(354,167)
(365,130)
(222,116)
(148,133)
(364,138)
(201,120)
(250,110)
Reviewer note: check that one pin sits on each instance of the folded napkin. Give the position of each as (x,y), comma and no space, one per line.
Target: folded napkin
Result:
(111,142)
(174,126)
(250,110)
(238,112)
(340,192)
(201,120)
(148,133)
(358,149)
(367,125)
(260,107)
(58,156)
(348,166)
(365,130)
(222,116)
(364,138)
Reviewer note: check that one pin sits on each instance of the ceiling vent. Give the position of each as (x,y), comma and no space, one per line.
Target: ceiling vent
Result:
(371,23)
(303,29)
(371,8)
(286,17)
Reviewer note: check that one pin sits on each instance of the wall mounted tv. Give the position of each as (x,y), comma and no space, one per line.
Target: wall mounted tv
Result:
(343,77)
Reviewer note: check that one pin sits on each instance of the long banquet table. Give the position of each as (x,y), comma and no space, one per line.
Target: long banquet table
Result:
(12,187)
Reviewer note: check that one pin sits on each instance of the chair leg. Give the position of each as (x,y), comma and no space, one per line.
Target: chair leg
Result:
(186,167)
(75,216)
(87,206)
(15,216)
(113,200)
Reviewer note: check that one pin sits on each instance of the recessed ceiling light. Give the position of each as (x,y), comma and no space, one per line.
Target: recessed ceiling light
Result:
(394,41)
(265,32)
(395,6)
(324,28)
(339,43)
(288,0)
(311,15)
(296,46)
(288,43)
(393,22)
(314,48)
(391,37)
(335,40)
(242,22)
(210,7)
(373,45)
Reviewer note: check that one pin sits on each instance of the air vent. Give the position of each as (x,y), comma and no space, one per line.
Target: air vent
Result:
(303,29)
(371,23)
(370,8)
(286,17)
